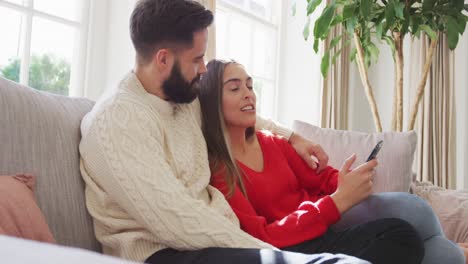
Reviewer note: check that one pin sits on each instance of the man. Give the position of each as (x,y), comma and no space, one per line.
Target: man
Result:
(144,159)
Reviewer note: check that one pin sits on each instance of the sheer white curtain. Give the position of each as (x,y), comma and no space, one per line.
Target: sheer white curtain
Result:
(436,125)
(335,88)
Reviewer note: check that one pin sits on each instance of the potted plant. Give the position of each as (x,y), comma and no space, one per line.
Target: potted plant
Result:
(368,21)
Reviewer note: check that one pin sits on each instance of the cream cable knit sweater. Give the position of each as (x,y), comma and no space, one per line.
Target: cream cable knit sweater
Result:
(145,165)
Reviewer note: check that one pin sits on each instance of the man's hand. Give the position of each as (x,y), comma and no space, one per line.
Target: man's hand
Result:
(306,149)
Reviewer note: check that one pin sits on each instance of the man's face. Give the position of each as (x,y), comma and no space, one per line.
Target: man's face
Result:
(179,90)
(183,83)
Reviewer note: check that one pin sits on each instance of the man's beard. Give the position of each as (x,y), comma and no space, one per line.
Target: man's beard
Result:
(179,90)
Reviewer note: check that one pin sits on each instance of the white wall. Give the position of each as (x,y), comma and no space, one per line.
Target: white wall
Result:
(97,46)
(111,53)
(298,96)
(120,52)
(381,76)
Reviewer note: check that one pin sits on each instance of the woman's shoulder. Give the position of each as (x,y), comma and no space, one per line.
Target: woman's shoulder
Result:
(265,136)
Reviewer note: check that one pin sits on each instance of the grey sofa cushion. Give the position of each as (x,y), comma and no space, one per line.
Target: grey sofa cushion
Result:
(39,134)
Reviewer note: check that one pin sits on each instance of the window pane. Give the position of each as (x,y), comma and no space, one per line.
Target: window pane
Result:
(264,54)
(18,2)
(69,9)
(10,51)
(261,8)
(239,44)
(222,38)
(265,95)
(238,3)
(52,47)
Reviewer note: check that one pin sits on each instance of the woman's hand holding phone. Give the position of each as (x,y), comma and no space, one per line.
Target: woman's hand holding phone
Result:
(353,185)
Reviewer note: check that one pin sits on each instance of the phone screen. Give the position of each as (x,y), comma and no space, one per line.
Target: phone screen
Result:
(375,151)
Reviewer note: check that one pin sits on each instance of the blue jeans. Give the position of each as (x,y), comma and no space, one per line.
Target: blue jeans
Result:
(414,210)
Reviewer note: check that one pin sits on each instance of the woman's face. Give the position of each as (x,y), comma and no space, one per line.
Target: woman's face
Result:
(238,97)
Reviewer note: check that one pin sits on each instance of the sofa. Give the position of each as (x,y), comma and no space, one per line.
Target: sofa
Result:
(40,134)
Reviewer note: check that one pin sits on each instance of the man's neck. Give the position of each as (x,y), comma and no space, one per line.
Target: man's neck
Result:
(150,81)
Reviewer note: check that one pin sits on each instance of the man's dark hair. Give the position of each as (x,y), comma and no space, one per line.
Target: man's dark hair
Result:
(157,24)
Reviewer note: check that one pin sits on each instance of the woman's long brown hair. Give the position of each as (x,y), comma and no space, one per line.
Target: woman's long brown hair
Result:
(214,128)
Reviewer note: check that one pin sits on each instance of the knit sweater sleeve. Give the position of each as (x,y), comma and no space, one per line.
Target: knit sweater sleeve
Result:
(268,124)
(325,182)
(308,221)
(124,153)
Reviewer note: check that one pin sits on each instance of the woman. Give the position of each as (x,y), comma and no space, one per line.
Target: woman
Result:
(280,200)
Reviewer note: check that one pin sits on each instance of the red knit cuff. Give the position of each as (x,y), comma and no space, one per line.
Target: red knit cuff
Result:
(328,210)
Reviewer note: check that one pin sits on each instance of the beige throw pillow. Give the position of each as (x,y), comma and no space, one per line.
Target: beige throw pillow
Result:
(394,172)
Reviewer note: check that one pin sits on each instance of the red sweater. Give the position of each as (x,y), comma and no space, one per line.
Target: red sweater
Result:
(288,202)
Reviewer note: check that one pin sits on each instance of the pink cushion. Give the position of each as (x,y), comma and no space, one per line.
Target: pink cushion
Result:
(19,214)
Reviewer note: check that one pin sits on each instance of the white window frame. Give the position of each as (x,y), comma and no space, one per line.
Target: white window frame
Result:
(229,7)
(77,78)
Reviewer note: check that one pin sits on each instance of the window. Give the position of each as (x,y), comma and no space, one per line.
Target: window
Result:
(248,32)
(44,43)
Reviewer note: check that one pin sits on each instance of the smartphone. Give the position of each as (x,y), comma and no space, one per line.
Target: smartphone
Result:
(375,151)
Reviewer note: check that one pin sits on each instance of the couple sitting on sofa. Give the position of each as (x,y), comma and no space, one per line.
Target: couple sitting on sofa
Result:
(146,167)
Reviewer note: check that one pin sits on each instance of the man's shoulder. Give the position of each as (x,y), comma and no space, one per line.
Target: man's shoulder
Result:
(119,109)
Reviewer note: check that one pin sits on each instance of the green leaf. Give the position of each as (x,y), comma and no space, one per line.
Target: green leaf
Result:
(466,7)
(429,31)
(415,22)
(293,9)
(406,22)
(325,64)
(428,5)
(462,20)
(351,25)
(366,8)
(453,21)
(322,25)
(352,55)
(367,58)
(379,30)
(336,20)
(316,45)
(306,31)
(336,55)
(452,32)
(390,14)
(458,4)
(349,11)
(418,33)
(399,7)
(391,43)
(312,6)
(379,16)
(374,51)
(335,41)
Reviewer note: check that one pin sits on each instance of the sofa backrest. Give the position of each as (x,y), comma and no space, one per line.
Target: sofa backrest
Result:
(39,134)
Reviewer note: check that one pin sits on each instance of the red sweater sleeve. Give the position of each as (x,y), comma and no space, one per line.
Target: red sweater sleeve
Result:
(309,221)
(324,183)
